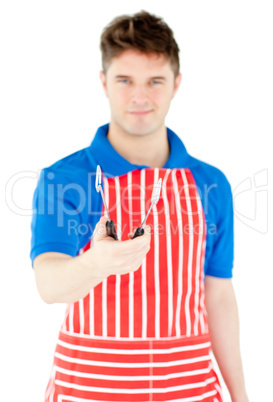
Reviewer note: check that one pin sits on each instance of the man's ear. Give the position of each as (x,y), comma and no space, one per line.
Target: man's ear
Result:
(103,81)
(177,82)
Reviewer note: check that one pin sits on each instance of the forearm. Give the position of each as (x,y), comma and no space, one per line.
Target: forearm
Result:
(64,279)
(224,330)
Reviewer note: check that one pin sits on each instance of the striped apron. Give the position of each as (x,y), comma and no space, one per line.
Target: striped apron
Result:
(143,336)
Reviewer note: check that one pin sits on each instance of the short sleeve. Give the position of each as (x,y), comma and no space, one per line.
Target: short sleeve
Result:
(217,201)
(220,230)
(56,205)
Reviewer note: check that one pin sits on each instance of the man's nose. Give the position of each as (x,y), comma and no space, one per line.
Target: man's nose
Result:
(139,94)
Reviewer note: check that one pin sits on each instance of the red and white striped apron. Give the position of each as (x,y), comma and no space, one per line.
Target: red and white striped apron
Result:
(143,336)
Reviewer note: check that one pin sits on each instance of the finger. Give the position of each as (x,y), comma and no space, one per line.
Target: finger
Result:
(127,247)
(100,231)
(147,230)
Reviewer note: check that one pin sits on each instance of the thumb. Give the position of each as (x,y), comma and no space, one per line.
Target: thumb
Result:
(100,231)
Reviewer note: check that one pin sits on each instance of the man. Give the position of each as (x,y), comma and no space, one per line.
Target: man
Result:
(142,313)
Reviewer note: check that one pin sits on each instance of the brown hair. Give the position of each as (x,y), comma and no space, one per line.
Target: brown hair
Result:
(142,31)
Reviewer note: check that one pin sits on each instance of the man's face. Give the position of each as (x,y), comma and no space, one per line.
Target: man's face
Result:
(140,88)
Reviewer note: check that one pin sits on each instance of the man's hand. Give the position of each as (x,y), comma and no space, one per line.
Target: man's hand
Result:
(112,257)
(61,278)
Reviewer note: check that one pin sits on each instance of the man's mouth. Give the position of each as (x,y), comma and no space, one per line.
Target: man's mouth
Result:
(140,112)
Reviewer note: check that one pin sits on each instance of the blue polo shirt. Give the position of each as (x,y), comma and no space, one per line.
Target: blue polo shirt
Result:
(66,206)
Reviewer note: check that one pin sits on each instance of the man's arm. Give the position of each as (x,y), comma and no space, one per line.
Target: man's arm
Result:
(61,278)
(224,330)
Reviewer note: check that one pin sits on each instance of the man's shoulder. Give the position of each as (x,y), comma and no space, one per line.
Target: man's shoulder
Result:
(77,163)
(207,172)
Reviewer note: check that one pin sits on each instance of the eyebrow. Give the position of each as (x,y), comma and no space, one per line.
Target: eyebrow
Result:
(151,78)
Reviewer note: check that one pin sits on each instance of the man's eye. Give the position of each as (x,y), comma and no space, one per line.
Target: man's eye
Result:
(155,82)
(125,81)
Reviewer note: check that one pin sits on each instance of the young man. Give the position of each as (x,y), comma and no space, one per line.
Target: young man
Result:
(142,313)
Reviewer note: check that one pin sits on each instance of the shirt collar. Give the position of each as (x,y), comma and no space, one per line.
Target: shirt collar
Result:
(113,164)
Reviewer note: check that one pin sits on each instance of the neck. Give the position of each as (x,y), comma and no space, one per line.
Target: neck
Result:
(150,150)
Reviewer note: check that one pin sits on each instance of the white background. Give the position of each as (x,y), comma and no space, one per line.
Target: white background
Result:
(51,105)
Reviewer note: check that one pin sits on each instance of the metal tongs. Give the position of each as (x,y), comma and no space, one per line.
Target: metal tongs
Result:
(155,197)
(110,225)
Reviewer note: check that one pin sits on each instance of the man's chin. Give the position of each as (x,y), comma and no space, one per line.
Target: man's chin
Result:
(139,130)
